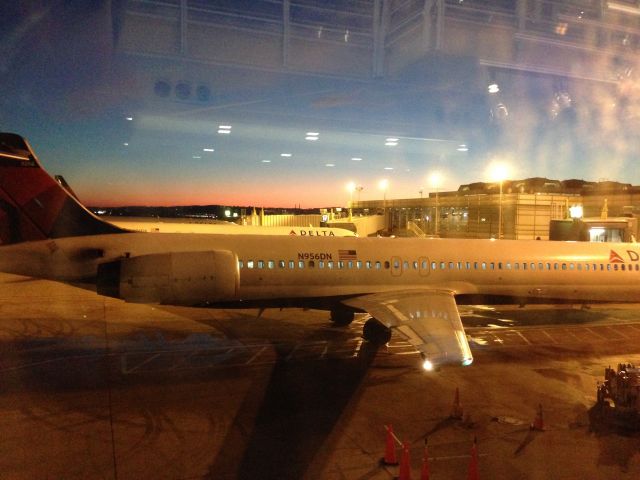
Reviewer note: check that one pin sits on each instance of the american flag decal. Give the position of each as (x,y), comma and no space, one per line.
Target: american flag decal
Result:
(347,255)
(615,258)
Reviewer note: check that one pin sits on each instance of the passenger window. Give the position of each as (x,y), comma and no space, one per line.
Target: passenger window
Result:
(387,265)
(434,266)
(415,265)
(340,264)
(405,265)
(378,265)
(281,263)
(571,266)
(459,265)
(359,264)
(564,266)
(292,264)
(499,265)
(240,264)
(425,264)
(330,264)
(609,266)
(533,266)
(615,267)
(586,267)
(578,266)
(368,264)
(484,265)
(321,264)
(442,265)
(541,266)
(271,264)
(492,266)
(312,264)
(468,266)
(622,266)
(451,266)
(350,263)
(475,265)
(396,264)
(301,264)
(524,266)
(508,266)
(516,266)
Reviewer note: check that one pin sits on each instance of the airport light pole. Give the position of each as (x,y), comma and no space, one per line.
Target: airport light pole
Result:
(499,173)
(435,179)
(384,186)
(351,186)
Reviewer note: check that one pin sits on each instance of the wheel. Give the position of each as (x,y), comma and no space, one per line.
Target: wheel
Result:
(375,332)
(342,317)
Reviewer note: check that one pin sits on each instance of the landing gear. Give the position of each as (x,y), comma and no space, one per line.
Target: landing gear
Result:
(342,317)
(375,332)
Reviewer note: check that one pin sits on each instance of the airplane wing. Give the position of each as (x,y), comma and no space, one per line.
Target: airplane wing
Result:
(426,318)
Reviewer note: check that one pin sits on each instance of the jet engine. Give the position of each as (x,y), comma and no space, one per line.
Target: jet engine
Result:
(176,278)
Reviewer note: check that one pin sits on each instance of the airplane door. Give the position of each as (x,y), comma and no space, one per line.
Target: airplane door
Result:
(396,266)
(423,266)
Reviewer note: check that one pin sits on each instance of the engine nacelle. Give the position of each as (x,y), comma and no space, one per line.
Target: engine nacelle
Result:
(176,278)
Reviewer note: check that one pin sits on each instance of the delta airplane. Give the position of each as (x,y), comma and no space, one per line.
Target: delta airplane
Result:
(170,226)
(408,284)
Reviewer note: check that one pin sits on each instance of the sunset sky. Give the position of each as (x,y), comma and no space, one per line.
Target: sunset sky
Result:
(91,118)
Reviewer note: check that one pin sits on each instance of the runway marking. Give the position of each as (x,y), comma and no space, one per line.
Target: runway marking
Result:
(550,337)
(255,355)
(523,337)
(589,329)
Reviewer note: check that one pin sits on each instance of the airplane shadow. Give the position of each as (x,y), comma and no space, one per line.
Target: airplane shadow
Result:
(300,405)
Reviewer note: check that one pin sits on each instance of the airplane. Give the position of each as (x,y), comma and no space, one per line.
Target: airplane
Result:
(165,225)
(411,285)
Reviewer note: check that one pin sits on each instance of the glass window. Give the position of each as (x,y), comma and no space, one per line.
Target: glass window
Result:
(508,265)
(387,265)
(484,265)
(586,267)
(368,264)
(442,265)
(564,266)
(492,266)
(330,264)
(451,267)
(571,266)
(609,266)
(434,266)
(533,266)
(240,264)
(396,264)
(524,266)
(292,264)
(340,264)
(312,264)
(579,266)
(459,265)
(499,265)
(425,264)
(541,266)
(468,265)
(250,264)
(475,265)
(359,264)
(378,265)
(622,266)
(301,264)
(281,263)
(516,266)
(415,265)
(320,263)
(271,264)
(615,267)
(260,263)
(405,265)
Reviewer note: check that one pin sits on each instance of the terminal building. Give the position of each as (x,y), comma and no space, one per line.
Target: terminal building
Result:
(533,208)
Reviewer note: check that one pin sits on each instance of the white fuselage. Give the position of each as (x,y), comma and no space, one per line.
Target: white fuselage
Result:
(299,267)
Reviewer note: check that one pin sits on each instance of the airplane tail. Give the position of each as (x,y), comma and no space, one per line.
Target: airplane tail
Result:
(33,206)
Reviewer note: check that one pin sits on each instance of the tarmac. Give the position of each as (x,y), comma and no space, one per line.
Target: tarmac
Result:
(94,388)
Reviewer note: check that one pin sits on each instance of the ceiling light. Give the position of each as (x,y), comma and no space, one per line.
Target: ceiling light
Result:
(125,144)
(224,132)
(330,165)
(391,144)
(356,159)
(130,118)
(208,150)
(285,155)
(312,139)
(493,88)
(266,161)
(196,156)
(388,168)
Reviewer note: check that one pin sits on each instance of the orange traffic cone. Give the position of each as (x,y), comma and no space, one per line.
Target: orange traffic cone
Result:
(405,466)
(424,473)
(473,463)
(538,423)
(390,457)
(456,411)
